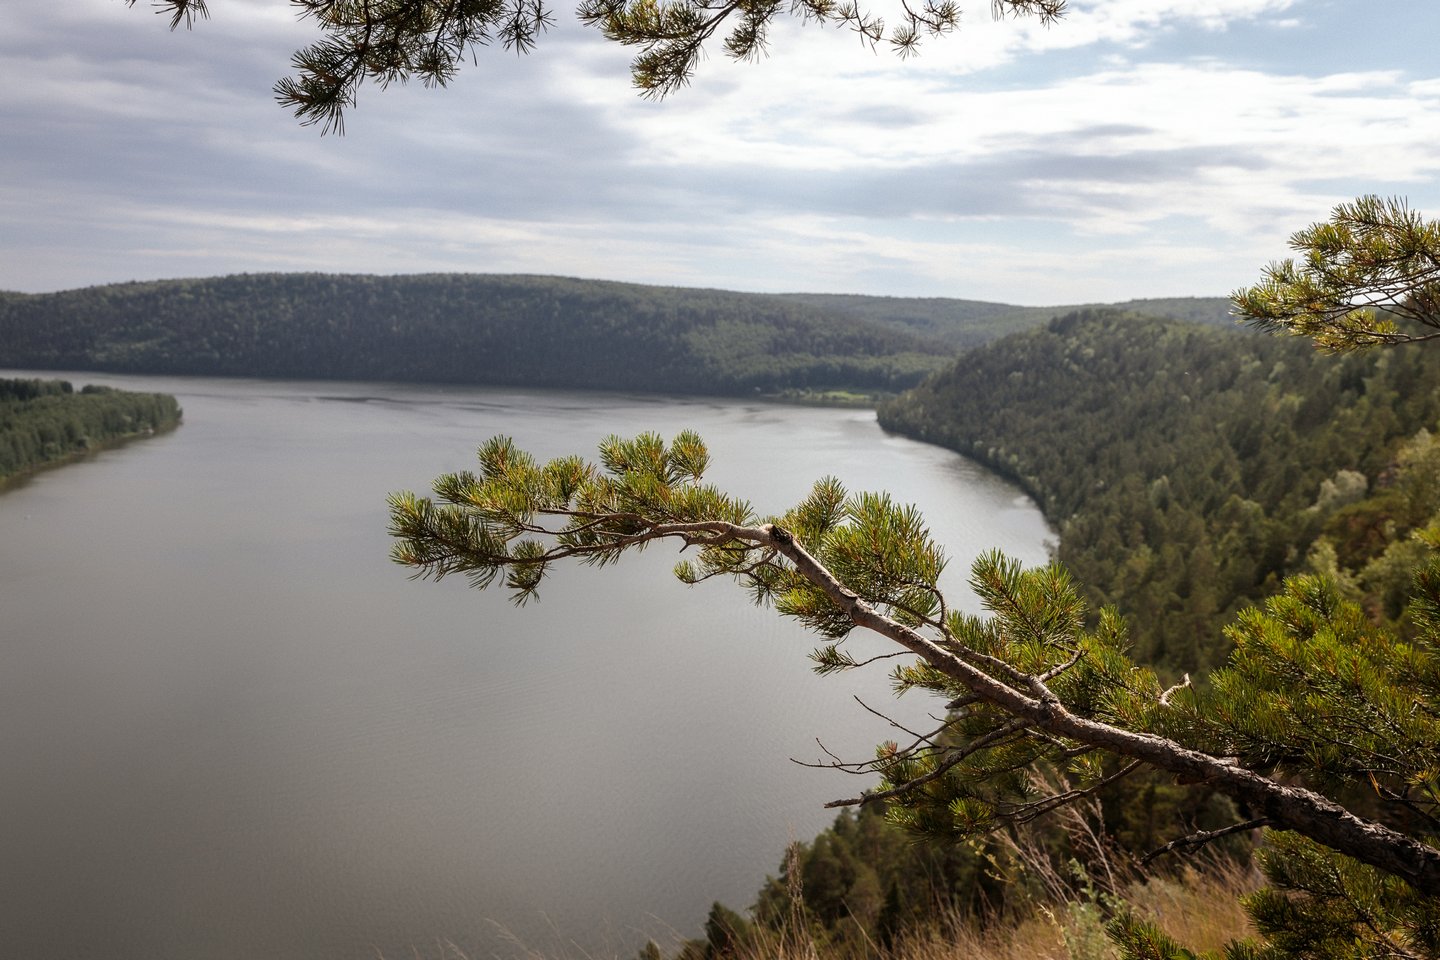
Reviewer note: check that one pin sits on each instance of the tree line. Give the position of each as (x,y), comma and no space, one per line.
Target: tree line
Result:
(48,421)
(964,324)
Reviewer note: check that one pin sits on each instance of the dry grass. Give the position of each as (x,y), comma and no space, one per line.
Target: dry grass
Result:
(1038,937)
(1199,908)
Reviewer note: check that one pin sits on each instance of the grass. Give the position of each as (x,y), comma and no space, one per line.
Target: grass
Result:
(1199,908)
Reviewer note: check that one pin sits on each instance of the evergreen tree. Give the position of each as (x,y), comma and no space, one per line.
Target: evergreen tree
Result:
(464,328)
(47,421)
(1324,726)
(891,922)
(725,933)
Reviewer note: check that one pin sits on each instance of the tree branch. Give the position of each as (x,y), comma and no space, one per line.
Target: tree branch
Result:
(1287,807)
(1024,698)
(959,755)
(1202,837)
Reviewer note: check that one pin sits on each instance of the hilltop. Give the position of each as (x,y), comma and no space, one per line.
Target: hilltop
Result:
(511,330)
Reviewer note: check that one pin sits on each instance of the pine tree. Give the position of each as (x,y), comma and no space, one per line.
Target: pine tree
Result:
(726,933)
(1322,727)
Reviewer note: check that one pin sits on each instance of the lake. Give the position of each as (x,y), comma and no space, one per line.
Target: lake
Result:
(230,728)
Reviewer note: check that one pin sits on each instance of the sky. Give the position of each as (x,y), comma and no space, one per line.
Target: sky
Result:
(1139,148)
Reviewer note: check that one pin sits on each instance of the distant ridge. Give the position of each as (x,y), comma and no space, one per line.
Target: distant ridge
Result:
(510,330)
(964,324)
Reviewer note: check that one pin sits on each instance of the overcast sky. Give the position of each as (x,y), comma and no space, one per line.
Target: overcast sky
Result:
(1139,148)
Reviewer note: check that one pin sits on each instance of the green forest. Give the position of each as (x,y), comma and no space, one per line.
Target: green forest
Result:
(520,331)
(506,330)
(962,324)
(47,421)
(1189,470)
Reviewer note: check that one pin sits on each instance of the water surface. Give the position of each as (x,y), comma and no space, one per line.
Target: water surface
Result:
(230,728)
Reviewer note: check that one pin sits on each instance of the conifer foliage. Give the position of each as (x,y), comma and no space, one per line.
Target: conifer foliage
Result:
(394,41)
(463,328)
(1370,275)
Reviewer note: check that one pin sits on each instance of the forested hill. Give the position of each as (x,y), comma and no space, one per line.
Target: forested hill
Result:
(963,324)
(462,328)
(1186,467)
(519,330)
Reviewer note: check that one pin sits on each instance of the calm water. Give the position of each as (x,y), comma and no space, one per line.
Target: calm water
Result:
(231,729)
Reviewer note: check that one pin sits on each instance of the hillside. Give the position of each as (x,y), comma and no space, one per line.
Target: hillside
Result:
(964,324)
(1184,466)
(518,330)
(512,330)
(1187,468)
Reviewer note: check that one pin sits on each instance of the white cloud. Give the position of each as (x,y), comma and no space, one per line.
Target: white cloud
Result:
(1239,139)
(1089,147)
(1123,21)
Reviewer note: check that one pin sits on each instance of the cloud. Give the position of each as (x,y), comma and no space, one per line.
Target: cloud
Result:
(1196,139)
(1148,132)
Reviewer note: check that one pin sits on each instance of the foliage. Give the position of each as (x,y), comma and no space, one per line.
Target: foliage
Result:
(390,41)
(1343,909)
(1317,691)
(1368,276)
(1315,688)
(46,421)
(1186,469)
(1337,472)
(725,933)
(863,879)
(864,883)
(532,331)
(964,324)
(1193,907)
